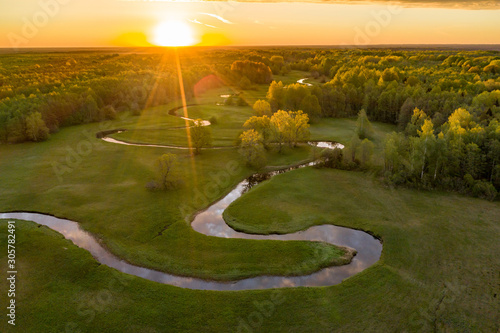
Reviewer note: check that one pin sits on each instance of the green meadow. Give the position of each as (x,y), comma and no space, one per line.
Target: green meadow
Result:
(438,270)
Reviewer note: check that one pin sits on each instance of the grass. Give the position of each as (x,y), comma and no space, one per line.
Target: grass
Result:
(438,271)
(342,130)
(102,186)
(145,228)
(435,245)
(229,125)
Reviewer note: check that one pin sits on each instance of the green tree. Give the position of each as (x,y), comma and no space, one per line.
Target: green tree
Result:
(494,156)
(366,151)
(252,149)
(440,154)
(334,101)
(352,147)
(289,127)
(427,141)
(331,158)
(413,81)
(108,112)
(390,74)
(280,124)
(276,95)
(294,95)
(245,83)
(262,125)
(201,135)
(364,128)
(36,130)
(168,171)
(416,122)
(277,63)
(299,127)
(90,110)
(310,105)
(392,152)
(473,161)
(277,60)
(262,108)
(405,113)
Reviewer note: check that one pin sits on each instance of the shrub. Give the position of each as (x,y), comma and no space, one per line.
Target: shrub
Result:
(332,158)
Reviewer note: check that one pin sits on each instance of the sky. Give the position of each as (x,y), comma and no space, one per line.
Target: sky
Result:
(97,23)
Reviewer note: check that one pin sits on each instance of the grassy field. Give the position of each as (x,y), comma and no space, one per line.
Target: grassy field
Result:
(104,190)
(228,126)
(440,250)
(438,271)
(102,186)
(156,126)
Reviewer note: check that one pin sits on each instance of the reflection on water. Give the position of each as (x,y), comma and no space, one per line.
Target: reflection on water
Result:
(301,81)
(211,223)
(326,144)
(111,140)
(369,249)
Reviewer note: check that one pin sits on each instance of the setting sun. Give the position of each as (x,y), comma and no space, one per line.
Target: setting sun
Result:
(173,33)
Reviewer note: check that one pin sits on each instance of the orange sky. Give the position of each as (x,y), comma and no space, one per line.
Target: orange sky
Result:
(68,23)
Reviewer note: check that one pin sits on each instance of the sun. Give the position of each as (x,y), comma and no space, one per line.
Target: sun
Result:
(173,33)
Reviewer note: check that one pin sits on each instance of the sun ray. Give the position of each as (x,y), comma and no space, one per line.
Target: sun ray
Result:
(186,114)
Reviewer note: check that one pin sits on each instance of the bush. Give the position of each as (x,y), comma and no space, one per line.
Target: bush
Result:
(332,158)
(36,130)
(135,109)
(108,112)
(241,102)
(245,83)
(486,190)
(213,120)
(152,185)
(168,173)
(229,101)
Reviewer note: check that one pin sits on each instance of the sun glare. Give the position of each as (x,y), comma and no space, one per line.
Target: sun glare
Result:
(173,33)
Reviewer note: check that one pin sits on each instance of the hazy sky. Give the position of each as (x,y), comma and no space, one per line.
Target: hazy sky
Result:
(35,23)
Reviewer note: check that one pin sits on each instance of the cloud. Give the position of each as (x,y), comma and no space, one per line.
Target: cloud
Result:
(195,21)
(458,4)
(218,17)
(207,25)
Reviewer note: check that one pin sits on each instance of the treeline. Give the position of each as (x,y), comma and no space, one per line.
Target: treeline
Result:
(292,97)
(64,89)
(68,89)
(462,155)
(390,84)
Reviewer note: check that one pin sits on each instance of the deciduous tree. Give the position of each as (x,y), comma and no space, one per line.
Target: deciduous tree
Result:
(201,135)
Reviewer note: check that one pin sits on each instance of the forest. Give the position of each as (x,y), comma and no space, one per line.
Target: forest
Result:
(446,104)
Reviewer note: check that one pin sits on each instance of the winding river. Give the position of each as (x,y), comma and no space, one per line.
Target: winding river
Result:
(301,81)
(211,223)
